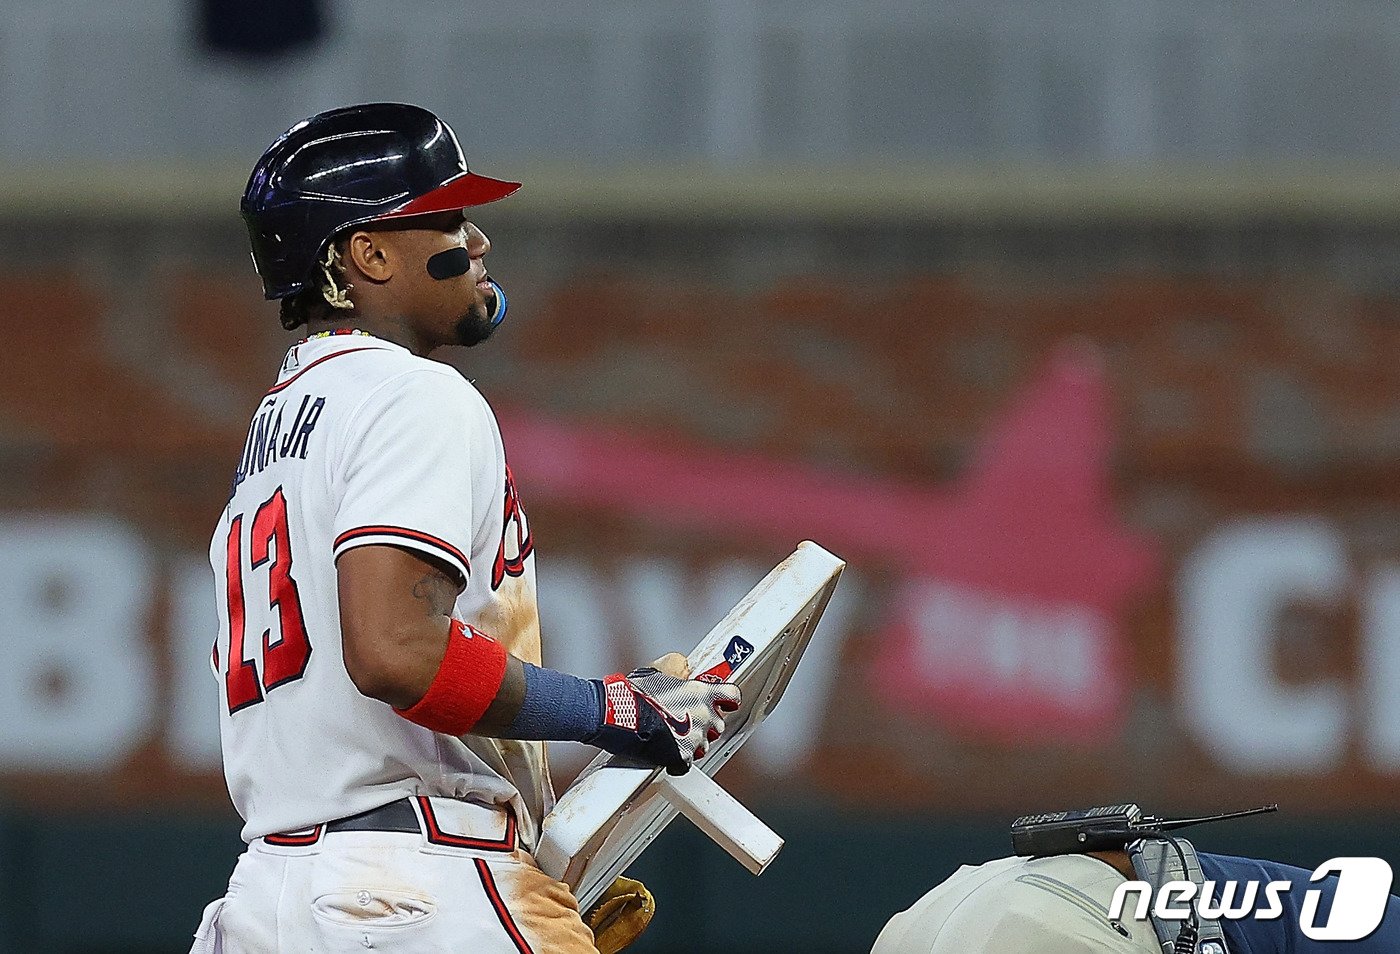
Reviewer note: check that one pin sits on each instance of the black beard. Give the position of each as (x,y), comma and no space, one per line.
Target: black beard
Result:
(473,328)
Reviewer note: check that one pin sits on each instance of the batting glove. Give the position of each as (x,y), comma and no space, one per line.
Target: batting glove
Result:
(661,719)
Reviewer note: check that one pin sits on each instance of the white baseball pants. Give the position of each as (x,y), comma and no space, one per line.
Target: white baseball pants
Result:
(460,884)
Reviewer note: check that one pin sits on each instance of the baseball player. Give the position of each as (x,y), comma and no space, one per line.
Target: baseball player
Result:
(383,705)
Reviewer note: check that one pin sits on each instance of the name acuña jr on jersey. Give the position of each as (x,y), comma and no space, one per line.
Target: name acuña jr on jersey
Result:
(262,446)
(1363,889)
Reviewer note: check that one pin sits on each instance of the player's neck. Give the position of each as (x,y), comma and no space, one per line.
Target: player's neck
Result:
(393,330)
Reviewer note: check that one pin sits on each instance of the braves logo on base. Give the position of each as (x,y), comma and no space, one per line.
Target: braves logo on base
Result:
(735,653)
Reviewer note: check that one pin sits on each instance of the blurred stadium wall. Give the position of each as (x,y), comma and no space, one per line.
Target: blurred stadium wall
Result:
(1074,332)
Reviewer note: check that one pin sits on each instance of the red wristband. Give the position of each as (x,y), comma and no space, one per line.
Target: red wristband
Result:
(465,685)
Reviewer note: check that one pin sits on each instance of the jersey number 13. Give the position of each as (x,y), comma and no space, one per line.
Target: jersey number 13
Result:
(284,661)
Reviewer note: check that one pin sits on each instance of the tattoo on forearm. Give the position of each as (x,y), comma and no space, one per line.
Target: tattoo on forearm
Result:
(438,591)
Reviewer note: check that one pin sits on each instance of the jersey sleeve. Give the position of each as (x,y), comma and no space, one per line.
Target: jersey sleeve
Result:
(406,467)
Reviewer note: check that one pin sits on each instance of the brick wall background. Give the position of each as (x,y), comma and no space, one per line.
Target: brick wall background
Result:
(1263,384)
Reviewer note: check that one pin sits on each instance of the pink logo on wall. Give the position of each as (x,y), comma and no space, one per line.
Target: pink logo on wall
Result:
(1005,625)
(1008,628)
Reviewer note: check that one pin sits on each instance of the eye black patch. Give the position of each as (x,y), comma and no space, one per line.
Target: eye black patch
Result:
(450,263)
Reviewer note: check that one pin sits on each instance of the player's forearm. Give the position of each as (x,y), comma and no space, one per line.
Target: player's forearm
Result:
(543,705)
(506,706)
(402,647)
(477,688)
(623,714)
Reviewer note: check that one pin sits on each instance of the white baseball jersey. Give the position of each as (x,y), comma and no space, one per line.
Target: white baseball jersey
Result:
(361,442)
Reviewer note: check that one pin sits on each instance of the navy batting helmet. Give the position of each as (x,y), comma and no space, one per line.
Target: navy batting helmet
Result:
(347,167)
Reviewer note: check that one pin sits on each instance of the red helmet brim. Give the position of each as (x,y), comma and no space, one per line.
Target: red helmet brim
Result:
(463,192)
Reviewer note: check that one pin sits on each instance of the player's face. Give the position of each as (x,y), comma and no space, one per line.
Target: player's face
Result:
(454,309)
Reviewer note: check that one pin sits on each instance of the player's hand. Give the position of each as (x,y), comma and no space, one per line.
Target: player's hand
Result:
(661,719)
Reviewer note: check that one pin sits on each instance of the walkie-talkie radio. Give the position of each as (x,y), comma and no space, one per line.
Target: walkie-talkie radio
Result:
(1156,856)
(1108,828)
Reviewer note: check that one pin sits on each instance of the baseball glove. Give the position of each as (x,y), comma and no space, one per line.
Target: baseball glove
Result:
(620,916)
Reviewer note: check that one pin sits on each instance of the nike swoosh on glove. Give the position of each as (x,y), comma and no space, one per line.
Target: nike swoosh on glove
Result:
(660,719)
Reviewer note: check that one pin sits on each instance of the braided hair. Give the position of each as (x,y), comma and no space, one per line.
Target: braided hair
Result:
(331,291)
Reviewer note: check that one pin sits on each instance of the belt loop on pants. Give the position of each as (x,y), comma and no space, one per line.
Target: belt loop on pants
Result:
(439,834)
(441,821)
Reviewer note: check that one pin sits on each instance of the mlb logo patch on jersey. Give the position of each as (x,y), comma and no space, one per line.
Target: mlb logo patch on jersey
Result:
(735,653)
